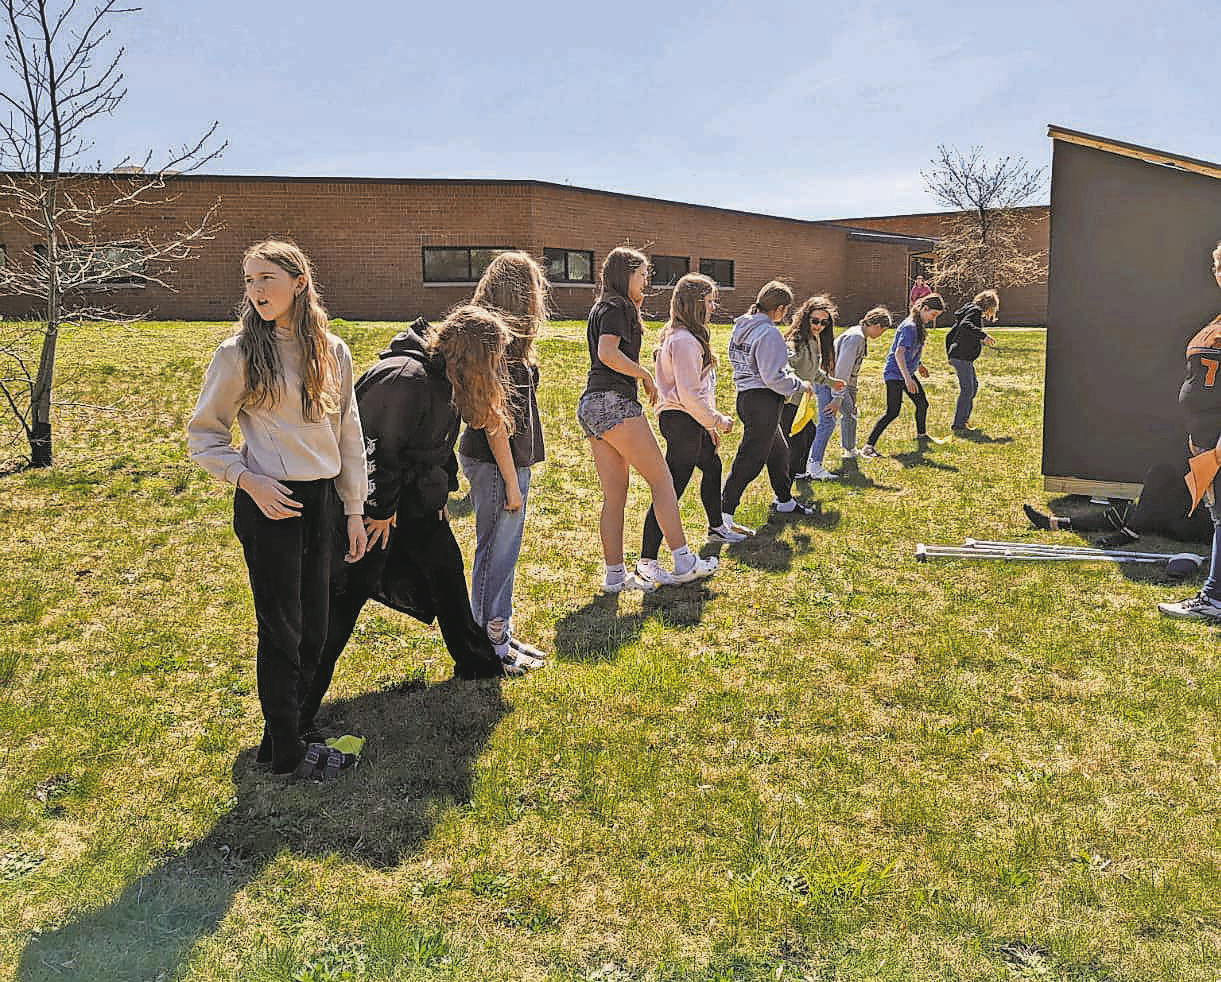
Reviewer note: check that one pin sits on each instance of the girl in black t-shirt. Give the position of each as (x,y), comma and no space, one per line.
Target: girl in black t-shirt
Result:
(611,416)
(498,464)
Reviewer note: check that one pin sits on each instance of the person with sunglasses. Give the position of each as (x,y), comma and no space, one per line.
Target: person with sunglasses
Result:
(811,344)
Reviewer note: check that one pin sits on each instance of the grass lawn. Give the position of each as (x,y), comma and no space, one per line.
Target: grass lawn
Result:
(827,762)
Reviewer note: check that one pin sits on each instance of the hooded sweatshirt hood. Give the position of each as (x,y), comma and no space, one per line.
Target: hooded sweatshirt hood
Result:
(410,343)
(759,356)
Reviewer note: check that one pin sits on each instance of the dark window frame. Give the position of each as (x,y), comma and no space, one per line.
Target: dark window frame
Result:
(707,271)
(470,277)
(567,278)
(669,284)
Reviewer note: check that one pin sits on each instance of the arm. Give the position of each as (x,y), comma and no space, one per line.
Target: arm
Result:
(387,409)
(687,359)
(612,356)
(772,361)
(498,440)
(352,482)
(210,429)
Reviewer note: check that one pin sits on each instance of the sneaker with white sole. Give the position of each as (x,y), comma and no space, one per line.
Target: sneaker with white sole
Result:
(700,569)
(868,452)
(820,473)
(524,648)
(803,476)
(650,571)
(630,581)
(798,507)
(1197,608)
(849,454)
(723,533)
(727,520)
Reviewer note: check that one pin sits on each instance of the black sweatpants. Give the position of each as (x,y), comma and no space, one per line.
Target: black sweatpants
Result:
(688,446)
(799,442)
(289,561)
(894,403)
(421,574)
(762,444)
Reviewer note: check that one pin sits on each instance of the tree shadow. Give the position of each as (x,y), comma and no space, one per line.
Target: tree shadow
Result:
(920,458)
(418,761)
(979,436)
(598,630)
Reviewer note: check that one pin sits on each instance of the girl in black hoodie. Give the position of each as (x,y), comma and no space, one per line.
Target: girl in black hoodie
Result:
(963,345)
(412,404)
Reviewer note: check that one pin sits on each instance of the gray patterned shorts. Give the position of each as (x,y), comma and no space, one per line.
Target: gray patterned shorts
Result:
(598,412)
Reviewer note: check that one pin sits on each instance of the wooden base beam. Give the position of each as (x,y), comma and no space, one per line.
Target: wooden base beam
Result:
(1094,489)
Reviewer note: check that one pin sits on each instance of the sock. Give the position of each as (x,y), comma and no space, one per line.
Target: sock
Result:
(616,573)
(727,519)
(684,559)
(787,506)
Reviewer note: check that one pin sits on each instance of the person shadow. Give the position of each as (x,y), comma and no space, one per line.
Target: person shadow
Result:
(850,475)
(920,458)
(600,628)
(418,761)
(979,436)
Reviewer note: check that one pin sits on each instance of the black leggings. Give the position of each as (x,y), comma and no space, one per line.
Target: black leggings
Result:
(420,574)
(762,443)
(688,446)
(894,402)
(799,442)
(289,561)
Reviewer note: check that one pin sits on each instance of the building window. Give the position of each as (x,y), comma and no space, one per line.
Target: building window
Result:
(458,264)
(569,265)
(98,267)
(720,271)
(668,270)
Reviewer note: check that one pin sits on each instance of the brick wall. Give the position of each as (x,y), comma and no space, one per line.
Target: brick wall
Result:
(365,238)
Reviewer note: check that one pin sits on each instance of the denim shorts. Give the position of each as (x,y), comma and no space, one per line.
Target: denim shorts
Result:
(598,412)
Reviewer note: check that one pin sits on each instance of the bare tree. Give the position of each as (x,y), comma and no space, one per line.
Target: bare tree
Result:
(982,243)
(84,221)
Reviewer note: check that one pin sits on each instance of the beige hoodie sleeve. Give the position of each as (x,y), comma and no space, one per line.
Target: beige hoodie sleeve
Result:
(210,429)
(352,483)
(694,394)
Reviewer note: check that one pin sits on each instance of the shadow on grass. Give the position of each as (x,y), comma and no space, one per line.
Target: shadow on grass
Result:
(598,630)
(920,458)
(417,763)
(766,551)
(979,436)
(850,475)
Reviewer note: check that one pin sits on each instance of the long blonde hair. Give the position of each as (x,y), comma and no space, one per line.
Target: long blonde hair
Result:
(264,375)
(472,340)
(689,313)
(515,287)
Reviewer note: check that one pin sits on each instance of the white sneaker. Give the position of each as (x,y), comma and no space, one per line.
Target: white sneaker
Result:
(630,581)
(728,522)
(1197,608)
(650,571)
(820,473)
(849,454)
(723,533)
(699,569)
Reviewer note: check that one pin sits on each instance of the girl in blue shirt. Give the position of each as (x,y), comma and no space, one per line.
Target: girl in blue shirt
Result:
(902,368)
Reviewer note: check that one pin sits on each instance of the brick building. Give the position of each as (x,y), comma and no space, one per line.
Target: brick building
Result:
(390,249)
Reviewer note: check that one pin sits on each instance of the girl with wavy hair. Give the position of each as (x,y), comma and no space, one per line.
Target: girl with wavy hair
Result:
(687,413)
(811,345)
(413,401)
(497,464)
(287,382)
(611,416)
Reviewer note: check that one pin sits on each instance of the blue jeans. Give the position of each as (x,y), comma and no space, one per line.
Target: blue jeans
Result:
(968,387)
(824,427)
(1212,585)
(847,418)
(498,535)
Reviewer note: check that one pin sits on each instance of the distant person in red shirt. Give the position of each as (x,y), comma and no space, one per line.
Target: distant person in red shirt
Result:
(919,289)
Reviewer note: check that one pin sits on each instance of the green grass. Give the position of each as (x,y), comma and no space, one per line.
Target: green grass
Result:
(828,762)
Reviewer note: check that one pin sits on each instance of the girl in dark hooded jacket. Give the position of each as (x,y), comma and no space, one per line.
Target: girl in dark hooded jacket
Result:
(963,345)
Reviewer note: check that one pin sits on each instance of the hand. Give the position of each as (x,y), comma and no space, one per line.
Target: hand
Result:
(512,497)
(379,530)
(716,437)
(358,540)
(443,514)
(989,340)
(807,388)
(911,386)
(922,371)
(650,388)
(837,384)
(727,426)
(832,407)
(273,498)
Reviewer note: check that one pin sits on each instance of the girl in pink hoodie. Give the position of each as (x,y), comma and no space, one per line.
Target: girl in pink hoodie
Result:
(687,413)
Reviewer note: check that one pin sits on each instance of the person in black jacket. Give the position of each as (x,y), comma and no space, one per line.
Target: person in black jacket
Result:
(963,344)
(412,403)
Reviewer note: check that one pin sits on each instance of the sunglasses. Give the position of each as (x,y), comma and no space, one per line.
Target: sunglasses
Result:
(820,322)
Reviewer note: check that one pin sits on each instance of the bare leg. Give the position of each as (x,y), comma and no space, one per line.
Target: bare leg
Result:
(635,444)
(612,475)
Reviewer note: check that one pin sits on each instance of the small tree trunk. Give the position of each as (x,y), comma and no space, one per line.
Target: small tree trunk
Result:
(44,382)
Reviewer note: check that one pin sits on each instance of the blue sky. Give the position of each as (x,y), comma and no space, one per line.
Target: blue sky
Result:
(802,109)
